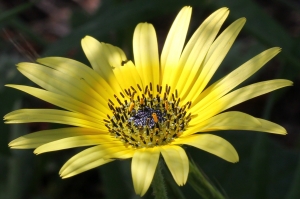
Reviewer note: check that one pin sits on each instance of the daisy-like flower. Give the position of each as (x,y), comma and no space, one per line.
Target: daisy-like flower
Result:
(151,106)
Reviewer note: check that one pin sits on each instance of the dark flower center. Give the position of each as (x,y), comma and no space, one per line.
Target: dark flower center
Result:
(148,121)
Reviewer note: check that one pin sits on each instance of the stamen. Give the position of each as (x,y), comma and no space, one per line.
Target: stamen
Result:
(111,102)
(132,88)
(154,117)
(131,106)
(166,105)
(126,92)
(139,87)
(189,106)
(168,91)
(142,101)
(147,120)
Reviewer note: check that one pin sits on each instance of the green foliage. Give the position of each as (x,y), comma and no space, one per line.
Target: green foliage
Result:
(201,184)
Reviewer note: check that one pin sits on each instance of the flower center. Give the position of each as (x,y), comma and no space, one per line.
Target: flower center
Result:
(148,121)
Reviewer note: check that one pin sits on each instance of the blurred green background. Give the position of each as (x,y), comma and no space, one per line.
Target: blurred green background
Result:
(269,165)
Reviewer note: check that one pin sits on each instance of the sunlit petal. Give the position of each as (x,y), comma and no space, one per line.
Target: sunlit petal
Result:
(101,60)
(36,139)
(89,159)
(177,162)
(234,120)
(145,52)
(53,116)
(233,79)
(174,43)
(143,166)
(196,50)
(81,71)
(240,95)
(212,144)
(63,101)
(76,141)
(213,59)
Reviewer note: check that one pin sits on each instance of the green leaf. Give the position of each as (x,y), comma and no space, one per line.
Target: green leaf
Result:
(201,184)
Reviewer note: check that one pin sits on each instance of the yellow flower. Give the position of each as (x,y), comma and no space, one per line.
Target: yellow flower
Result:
(150,107)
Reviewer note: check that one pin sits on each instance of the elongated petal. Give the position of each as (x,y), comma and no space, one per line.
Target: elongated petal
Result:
(76,141)
(174,42)
(53,116)
(239,96)
(234,120)
(177,162)
(120,155)
(80,70)
(213,59)
(132,77)
(143,166)
(212,144)
(36,139)
(60,83)
(196,50)
(233,79)
(101,60)
(62,101)
(145,52)
(89,159)
(116,57)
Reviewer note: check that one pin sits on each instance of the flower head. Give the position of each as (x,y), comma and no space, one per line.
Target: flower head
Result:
(152,106)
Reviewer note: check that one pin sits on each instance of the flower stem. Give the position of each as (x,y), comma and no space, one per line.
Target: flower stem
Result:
(158,184)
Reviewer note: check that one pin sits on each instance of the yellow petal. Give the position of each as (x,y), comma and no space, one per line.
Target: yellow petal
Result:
(120,154)
(239,96)
(174,42)
(53,116)
(101,59)
(145,52)
(143,166)
(177,162)
(76,141)
(60,83)
(63,101)
(36,139)
(234,120)
(81,71)
(212,144)
(132,76)
(89,159)
(196,50)
(233,79)
(115,55)
(213,59)
(116,58)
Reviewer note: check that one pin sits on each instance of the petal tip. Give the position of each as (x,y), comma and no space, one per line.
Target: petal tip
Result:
(243,19)
(224,9)
(36,152)
(87,37)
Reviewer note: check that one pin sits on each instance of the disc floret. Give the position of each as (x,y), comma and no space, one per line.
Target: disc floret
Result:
(145,120)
